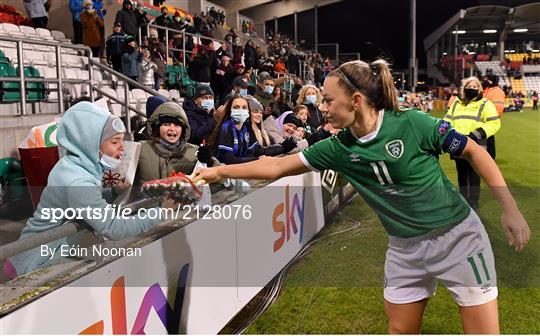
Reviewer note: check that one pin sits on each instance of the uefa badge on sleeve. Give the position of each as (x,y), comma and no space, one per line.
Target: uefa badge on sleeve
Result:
(395,148)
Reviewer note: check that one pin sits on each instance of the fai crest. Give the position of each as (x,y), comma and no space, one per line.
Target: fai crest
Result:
(395,148)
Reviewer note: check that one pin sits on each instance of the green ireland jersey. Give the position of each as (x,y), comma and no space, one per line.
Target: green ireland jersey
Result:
(396,170)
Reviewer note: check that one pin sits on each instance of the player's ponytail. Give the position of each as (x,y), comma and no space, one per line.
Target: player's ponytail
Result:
(387,97)
(373,80)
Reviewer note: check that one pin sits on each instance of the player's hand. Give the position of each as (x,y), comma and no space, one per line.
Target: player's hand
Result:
(209,175)
(516,228)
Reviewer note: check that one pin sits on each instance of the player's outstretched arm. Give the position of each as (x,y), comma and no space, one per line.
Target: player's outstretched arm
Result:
(266,168)
(516,228)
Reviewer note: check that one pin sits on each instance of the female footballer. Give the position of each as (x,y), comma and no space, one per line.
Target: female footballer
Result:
(391,158)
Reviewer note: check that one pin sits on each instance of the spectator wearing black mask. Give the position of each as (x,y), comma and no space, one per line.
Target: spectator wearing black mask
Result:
(164,20)
(128,19)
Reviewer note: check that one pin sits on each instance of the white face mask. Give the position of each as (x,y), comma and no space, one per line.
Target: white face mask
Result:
(239,116)
(268,89)
(207,104)
(243,92)
(311,99)
(108,162)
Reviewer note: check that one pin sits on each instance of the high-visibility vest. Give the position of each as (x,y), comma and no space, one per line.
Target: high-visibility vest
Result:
(496,96)
(476,114)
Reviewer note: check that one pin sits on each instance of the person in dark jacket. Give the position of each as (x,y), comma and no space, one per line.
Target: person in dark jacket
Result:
(128,19)
(140,14)
(164,20)
(199,68)
(221,78)
(250,55)
(115,47)
(202,115)
(76,8)
(131,59)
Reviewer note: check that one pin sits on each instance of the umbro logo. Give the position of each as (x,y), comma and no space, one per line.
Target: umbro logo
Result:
(355,157)
(486,288)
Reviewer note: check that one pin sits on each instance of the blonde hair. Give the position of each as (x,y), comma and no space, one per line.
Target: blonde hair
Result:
(468,81)
(260,134)
(302,94)
(373,80)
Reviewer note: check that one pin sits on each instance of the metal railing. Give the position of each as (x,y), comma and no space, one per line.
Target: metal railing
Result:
(60,80)
(127,83)
(196,38)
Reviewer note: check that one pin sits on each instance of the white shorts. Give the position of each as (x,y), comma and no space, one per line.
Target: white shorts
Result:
(459,256)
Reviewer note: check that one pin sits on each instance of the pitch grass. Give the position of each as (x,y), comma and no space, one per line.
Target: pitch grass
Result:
(338,287)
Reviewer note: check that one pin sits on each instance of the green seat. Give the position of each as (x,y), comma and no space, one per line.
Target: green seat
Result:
(9,91)
(35,91)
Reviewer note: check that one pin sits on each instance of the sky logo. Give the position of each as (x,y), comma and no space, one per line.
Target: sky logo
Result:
(297,206)
(154,298)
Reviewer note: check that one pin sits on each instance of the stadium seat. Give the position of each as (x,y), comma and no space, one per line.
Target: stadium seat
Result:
(44,33)
(164,93)
(11,54)
(138,99)
(34,58)
(60,36)
(12,30)
(175,95)
(30,32)
(71,61)
(115,108)
(74,90)
(35,91)
(9,91)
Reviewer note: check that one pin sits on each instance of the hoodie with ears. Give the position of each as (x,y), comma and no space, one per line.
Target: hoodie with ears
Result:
(75,183)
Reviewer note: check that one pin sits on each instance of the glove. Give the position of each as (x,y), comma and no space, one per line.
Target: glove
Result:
(479,136)
(288,145)
(204,155)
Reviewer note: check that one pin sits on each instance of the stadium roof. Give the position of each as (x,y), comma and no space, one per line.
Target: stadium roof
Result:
(489,23)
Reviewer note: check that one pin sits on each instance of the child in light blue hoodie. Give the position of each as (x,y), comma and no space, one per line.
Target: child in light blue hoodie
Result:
(93,140)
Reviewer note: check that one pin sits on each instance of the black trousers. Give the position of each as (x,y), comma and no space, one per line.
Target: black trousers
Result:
(40,22)
(116,61)
(77,32)
(469,182)
(490,143)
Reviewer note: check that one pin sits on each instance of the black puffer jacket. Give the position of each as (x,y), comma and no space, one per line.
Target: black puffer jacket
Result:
(202,123)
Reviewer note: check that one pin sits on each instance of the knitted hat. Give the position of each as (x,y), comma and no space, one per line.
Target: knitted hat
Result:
(241,82)
(203,90)
(292,119)
(152,104)
(253,103)
(112,127)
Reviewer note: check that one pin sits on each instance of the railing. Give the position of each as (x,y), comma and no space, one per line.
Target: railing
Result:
(168,30)
(125,103)
(60,80)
